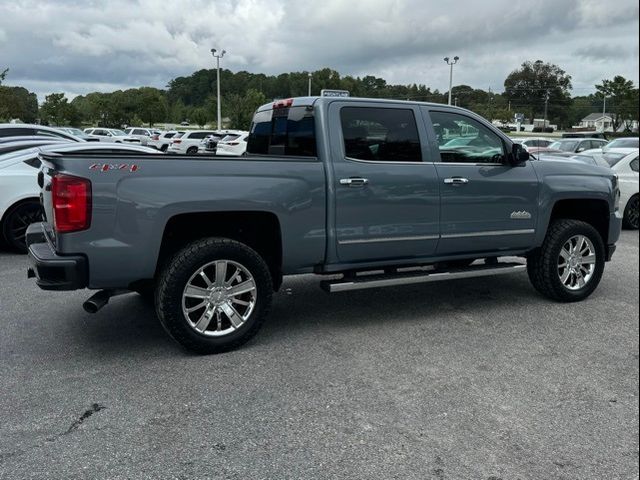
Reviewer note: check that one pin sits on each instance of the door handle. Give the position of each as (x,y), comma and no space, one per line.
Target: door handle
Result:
(354,182)
(456,181)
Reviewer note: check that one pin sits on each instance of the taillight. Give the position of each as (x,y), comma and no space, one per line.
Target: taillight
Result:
(177,141)
(233,143)
(71,198)
(155,137)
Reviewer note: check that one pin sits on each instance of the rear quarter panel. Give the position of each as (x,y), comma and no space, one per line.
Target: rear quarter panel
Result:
(131,209)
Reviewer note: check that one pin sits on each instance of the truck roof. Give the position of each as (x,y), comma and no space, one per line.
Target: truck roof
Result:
(317,100)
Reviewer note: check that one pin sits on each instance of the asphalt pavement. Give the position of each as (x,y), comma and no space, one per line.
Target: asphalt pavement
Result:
(470,379)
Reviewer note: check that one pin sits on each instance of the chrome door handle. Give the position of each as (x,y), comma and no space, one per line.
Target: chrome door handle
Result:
(354,182)
(456,181)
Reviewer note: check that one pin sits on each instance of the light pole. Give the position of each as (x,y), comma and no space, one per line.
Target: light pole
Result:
(604,110)
(546,107)
(309,90)
(451,64)
(218,56)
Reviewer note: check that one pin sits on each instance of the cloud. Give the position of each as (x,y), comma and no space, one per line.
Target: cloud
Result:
(605,52)
(77,46)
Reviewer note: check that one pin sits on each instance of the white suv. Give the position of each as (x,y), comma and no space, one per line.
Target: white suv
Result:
(161,141)
(143,134)
(188,142)
(233,145)
(111,135)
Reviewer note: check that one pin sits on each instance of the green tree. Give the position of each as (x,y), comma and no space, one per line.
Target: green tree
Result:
(534,83)
(57,110)
(151,105)
(3,75)
(620,99)
(240,109)
(18,102)
(199,116)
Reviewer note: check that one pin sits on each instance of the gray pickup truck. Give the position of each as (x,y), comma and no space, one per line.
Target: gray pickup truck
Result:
(366,192)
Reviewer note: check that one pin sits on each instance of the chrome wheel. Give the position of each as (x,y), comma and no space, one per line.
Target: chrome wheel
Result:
(219,298)
(576,262)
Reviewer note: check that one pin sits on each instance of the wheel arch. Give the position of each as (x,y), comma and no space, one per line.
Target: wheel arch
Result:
(14,203)
(260,230)
(595,212)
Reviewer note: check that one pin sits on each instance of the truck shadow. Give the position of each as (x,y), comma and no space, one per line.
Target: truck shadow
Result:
(306,308)
(301,308)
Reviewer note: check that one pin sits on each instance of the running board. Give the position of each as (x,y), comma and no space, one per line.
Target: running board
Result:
(419,276)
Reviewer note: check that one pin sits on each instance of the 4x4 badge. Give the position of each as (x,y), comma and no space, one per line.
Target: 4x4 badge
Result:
(522,215)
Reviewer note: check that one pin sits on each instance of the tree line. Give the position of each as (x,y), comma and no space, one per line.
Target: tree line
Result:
(533,89)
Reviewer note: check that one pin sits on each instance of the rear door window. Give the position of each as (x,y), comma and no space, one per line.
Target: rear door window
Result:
(288,131)
(380,134)
(198,135)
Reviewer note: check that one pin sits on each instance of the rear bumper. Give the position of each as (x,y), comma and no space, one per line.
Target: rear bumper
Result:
(53,271)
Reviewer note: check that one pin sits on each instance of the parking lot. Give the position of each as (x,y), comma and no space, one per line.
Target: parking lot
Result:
(479,379)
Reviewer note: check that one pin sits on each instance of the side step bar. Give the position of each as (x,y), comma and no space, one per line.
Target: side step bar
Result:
(418,276)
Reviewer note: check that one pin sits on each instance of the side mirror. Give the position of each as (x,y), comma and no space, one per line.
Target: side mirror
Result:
(519,154)
(581,149)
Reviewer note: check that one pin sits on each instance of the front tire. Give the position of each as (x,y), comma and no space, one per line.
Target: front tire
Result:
(214,295)
(630,220)
(569,265)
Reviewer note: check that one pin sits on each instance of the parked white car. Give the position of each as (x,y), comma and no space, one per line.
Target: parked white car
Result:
(210,142)
(162,140)
(19,190)
(623,142)
(533,142)
(188,142)
(27,130)
(233,145)
(112,135)
(142,134)
(626,166)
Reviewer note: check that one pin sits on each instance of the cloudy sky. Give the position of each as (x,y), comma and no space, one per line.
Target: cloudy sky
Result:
(82,46)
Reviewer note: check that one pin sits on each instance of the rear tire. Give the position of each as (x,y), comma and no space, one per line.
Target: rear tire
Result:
(195,301)
(630,220)
(564,251)
(16,221)
(192,150)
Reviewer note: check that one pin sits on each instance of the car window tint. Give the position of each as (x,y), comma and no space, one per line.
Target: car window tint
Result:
(286,131)
(380,134)
(462,139)
(198,135)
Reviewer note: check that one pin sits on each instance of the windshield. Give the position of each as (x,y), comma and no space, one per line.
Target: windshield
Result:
(229,138)
(75,131)
(565,146)
(623,143)
(613,158)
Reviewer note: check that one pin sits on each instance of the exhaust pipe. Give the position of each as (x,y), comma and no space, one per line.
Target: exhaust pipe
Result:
(99,299)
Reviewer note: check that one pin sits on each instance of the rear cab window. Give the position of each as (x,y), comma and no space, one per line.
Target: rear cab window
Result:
(284,131)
